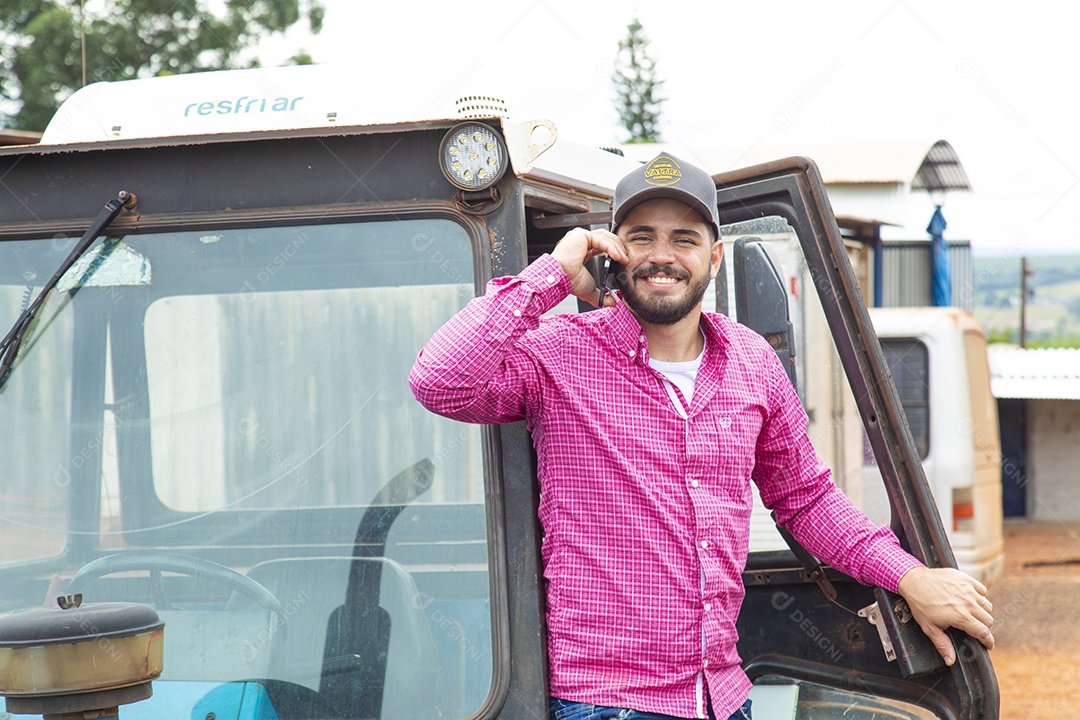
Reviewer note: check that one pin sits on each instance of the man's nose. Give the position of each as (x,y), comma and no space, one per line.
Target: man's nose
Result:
(662,252)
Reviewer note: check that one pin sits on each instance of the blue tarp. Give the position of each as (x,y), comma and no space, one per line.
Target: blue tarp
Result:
(941,282)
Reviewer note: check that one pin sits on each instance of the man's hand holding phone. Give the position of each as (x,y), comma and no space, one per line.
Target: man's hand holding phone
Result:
(576,249)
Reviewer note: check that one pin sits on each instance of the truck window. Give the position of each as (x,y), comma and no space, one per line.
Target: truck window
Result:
(242,404)
(908,362)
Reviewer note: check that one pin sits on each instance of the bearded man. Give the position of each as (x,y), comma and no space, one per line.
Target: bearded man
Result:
(650,418)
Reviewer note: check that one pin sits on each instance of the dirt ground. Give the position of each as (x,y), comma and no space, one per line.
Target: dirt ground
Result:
(1037,621)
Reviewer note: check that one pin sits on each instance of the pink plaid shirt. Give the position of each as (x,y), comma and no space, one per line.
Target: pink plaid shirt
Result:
(645,513)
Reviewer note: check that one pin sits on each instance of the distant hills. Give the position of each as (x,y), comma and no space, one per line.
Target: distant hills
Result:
(1053,309)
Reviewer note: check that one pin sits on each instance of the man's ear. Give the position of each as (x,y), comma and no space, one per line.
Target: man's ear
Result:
(714,260)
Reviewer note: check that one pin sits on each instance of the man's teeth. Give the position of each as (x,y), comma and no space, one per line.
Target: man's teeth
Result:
(664,279)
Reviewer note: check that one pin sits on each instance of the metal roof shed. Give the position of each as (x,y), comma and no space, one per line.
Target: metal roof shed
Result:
(1038,392)
(1034,374)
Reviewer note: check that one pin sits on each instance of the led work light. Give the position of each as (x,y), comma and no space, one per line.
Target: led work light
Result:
(472,156)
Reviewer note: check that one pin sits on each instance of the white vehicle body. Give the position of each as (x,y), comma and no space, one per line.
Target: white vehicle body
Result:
(937,357)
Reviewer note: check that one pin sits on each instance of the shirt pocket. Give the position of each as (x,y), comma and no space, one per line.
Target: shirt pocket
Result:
(722,447)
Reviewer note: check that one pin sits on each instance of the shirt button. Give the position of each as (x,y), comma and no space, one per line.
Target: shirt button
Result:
(517,313)
(705,662)
(708,607)
(641,339)
(550,279)
(694,483)
(704,543)
(631,353)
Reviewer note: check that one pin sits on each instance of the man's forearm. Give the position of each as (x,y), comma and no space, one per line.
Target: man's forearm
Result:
(838,533)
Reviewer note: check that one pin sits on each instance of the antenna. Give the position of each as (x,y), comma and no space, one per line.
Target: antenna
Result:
(82,33)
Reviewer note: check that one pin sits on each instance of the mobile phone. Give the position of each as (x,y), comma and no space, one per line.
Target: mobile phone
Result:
(607,272)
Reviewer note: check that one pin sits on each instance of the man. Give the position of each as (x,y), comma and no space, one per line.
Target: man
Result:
(649,419)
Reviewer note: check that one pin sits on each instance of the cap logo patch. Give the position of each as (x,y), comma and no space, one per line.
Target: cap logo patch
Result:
(662,171)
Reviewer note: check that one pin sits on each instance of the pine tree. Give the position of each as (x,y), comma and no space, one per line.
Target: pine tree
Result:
(637,86)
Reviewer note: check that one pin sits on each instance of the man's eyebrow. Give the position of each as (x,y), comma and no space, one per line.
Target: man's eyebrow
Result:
(651,229)
(688,231)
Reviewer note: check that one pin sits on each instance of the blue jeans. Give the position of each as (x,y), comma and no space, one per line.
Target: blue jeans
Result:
(569,710)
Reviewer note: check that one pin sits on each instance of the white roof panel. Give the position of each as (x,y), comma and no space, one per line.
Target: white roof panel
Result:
(316,96)
(1045,373)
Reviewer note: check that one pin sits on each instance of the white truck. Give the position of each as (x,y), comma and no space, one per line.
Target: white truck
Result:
(937,357)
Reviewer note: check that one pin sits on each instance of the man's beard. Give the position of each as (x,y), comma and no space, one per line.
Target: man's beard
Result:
(661,310)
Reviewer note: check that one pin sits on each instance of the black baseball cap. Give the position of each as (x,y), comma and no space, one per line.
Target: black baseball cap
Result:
(665,176)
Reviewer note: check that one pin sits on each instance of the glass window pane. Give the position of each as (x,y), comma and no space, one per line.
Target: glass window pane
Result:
(227,411)
(776,696)
(908,363)
(37,447)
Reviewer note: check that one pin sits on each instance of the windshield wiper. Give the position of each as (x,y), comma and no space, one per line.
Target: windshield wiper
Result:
(9,347)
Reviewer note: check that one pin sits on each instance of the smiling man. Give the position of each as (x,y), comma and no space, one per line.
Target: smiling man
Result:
(650,418)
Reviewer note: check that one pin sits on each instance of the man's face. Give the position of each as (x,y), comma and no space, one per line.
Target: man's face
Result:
(672,260)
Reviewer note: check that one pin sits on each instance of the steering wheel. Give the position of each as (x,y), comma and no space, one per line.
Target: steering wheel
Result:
(156,563)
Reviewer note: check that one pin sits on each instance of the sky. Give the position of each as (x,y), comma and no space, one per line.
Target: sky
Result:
(998,84)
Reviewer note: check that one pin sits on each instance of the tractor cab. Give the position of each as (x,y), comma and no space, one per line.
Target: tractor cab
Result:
(215,287)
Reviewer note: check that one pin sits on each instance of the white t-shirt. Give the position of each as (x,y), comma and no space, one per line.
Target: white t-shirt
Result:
(680,375)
